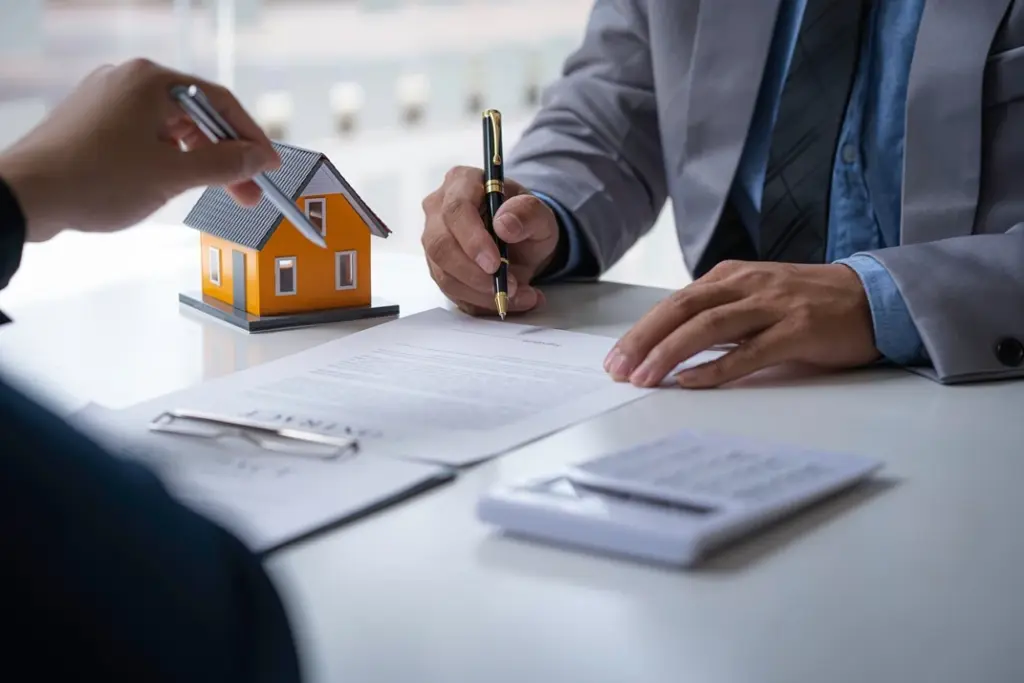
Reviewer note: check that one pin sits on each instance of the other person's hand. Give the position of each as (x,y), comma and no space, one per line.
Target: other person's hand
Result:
(775,313)
(463,257)
(119,147)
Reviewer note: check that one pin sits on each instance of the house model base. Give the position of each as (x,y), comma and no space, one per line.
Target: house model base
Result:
(269,323)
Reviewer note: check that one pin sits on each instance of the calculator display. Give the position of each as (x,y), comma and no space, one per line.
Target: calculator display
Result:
(567,488)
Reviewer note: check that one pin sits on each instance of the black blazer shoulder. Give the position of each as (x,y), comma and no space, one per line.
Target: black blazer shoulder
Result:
(12,233)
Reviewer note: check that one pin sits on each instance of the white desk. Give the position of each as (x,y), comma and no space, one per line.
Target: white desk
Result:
(915,579)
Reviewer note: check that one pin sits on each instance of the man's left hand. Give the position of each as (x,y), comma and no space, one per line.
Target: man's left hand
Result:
(774,312)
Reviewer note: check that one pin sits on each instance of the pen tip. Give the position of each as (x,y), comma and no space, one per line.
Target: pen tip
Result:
(501,303)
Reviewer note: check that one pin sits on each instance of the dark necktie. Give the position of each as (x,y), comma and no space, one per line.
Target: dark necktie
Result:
(794,208)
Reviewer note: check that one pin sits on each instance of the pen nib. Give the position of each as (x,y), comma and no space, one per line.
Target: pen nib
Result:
(501,301)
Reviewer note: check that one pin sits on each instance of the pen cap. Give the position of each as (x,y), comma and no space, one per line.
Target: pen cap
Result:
(493,154)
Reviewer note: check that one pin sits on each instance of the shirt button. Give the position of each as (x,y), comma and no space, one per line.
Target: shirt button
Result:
(1010,352)
(849,154)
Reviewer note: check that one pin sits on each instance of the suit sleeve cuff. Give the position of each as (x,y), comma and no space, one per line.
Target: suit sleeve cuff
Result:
(896,335)
(571,263)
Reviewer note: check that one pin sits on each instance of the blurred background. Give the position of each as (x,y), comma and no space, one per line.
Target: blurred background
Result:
(390,90)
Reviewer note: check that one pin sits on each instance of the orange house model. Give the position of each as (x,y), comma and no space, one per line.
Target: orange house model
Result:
(260,273)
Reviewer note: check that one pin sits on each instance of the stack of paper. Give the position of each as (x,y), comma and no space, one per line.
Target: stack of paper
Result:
(437,386)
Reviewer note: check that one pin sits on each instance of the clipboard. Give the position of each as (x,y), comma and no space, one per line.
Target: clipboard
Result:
(265,435)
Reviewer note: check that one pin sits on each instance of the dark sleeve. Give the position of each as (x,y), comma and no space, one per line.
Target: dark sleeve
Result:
(573,260)
(12,234)
(110,578)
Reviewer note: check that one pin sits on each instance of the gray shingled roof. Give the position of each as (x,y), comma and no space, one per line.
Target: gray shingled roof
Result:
(217,213)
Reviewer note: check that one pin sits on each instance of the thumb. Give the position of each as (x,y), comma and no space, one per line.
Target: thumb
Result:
(525,217)
(225,163)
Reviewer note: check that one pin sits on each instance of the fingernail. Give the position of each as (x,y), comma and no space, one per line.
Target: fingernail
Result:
(510,225)
(620,366)
(687,378)
(643,375)
(512,287)
(487,261)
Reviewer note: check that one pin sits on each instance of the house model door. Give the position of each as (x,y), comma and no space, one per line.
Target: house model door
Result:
(238,279)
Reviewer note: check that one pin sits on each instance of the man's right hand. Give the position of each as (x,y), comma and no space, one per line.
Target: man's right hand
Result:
(119,147)
(462,255)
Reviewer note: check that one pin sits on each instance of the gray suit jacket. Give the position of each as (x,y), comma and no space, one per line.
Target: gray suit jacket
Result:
(657,101)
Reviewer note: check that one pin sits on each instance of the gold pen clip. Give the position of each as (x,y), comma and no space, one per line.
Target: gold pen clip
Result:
(495,118)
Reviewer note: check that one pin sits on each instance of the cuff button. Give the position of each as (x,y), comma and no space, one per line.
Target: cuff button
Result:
(1010,352)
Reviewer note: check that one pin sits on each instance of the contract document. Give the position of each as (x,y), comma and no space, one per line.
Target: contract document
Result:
(438,386)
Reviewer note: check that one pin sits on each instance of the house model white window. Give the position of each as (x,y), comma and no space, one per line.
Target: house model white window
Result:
(316,211)
(345,270)
(214,265)
(284,276)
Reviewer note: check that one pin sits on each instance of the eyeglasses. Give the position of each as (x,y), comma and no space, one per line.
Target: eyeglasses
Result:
(265,435)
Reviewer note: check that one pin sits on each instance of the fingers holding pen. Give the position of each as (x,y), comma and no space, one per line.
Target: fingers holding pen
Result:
(460,215)
(463,256)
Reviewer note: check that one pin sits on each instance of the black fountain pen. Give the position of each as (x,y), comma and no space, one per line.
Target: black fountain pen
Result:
(494,195)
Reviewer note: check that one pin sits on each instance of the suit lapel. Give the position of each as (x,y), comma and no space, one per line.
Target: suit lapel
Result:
(941,171)
(729,54)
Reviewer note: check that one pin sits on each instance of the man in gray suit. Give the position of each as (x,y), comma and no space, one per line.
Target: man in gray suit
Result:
(845,177)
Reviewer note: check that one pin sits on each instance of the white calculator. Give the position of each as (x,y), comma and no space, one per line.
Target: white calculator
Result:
(672,500)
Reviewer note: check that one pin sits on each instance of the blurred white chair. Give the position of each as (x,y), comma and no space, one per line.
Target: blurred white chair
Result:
(346,101)
(289,100)
(534,80)
(474,79)
(412,92)
(273,112)
(378,79)
(252,81)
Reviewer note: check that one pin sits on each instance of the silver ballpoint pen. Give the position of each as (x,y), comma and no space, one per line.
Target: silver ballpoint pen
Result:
(216,128)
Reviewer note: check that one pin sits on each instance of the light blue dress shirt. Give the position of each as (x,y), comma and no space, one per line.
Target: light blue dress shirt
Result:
(864,212)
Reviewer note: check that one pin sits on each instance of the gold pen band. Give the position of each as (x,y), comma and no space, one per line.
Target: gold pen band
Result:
(494,186)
